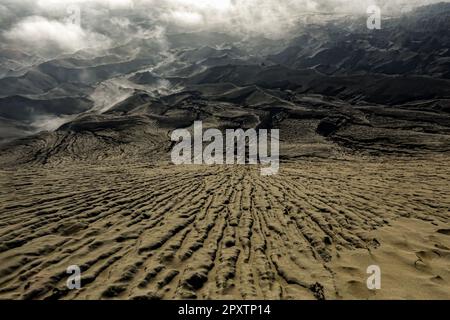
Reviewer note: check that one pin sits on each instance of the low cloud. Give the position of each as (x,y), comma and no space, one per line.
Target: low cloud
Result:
(41,24)
(45,35)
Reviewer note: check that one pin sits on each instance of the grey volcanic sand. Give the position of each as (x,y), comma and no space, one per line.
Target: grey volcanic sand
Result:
(164,231)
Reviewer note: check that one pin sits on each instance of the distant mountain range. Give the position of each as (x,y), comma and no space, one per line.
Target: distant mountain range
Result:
(333,88)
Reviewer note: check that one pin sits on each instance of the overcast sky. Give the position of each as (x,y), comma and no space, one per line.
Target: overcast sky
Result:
(47,25)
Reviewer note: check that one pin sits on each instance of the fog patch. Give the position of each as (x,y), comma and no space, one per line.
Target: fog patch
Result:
(49,122)
(47,36)
(109,93)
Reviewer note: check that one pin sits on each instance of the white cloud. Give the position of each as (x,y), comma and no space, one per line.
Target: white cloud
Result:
(42,33)
(39,24)
(260,17)
(184,18)
(112,4)
(219,5)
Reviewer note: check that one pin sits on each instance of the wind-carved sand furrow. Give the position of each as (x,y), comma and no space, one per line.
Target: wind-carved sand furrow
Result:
(324,203)
(202,226)
(55,287)
(226,267)
(54,213)
(43,205)
(189,239)
(20,265)
(147,199)
(95,213)
(62,223)
(224,270)
(327,219)
(151,280)
(168,203)
(280,238)
(292,255)
(267,284)
(310,225)
(43,262)
(173,224)
(195,273)
(245,223)
(157,232)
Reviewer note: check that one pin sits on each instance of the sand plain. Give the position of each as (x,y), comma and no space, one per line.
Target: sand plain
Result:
(159,231)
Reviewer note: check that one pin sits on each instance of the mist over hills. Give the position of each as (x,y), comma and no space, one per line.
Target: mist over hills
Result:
(332,87)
